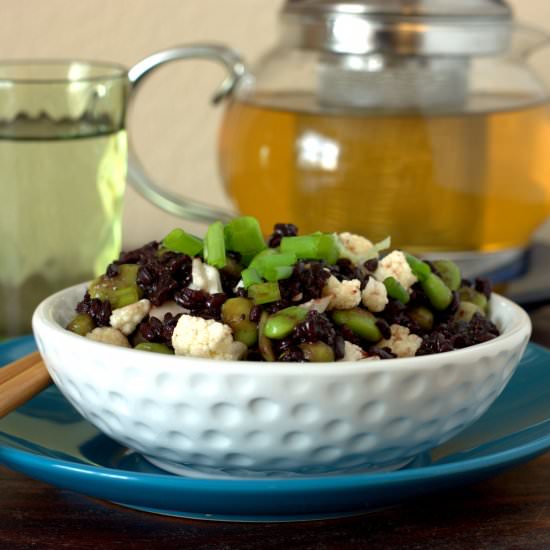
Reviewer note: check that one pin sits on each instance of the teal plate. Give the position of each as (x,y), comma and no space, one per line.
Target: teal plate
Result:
(48,440)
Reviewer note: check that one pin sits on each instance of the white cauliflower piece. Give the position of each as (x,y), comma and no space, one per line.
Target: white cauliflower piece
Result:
(168,307)
(401,342)
(395,265)
(127,318)
(355,244)
(374,296)
(352,352)
(205,277)
(344,294)
(109,335)
(198,337)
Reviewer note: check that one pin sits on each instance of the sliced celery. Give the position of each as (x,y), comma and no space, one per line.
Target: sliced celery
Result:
(250,277)
(180,241)
(214,245)
(243,235)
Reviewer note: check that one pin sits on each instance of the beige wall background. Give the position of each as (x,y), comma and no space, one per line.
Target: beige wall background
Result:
(173,126)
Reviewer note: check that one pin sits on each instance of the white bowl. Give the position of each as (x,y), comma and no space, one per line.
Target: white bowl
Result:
(228,418)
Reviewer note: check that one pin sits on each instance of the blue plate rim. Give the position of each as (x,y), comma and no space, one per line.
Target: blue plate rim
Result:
(27,459)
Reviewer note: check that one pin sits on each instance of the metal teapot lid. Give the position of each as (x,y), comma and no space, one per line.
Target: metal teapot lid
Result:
(402,27)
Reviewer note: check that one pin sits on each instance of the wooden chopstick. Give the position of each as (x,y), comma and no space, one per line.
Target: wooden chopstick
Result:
(21,381)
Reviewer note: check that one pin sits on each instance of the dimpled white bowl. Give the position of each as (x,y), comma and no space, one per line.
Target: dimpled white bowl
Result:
(206,417)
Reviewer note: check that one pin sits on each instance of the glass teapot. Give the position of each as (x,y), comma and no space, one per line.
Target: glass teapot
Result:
(419,119)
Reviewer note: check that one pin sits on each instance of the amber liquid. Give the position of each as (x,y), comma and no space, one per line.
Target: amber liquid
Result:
(474,181)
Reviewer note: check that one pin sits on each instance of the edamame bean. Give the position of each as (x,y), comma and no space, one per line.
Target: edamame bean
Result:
(450,273)
(466,310)
(437,291)
(282,323)
(157,348)
(418,267)
(236,314)
(317,352)
(396,290)
(423,317)
(468,294)
(360,322)
(81,324)
(264,343)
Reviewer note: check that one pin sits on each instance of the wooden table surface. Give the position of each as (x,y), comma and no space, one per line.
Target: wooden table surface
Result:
(508,511)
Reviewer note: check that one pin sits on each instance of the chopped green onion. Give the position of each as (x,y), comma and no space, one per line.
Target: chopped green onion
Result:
(327,248)
(318,246)
(250,277)
(214,245)
(258,259)
(396,290)
(264,293)
(278,272)
(180,241)
(418,267)
(243,235)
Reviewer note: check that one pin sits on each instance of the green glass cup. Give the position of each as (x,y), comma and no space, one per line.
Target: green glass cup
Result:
(63,166)
(63,160)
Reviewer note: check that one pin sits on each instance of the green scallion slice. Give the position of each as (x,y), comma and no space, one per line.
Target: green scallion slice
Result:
(180,241)
(250,277)
(214,245)
(243,235)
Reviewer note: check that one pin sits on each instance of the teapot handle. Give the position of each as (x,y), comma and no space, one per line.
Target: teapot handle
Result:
(171,202)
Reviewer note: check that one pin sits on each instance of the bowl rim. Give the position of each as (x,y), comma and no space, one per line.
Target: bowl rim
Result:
(43,321)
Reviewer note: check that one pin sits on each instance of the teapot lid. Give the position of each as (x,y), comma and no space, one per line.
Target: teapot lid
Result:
(402,27)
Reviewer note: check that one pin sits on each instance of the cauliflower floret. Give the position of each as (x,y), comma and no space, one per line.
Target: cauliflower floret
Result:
(205,277)
(355,244)
(374,295)
(127,318)
(198,337)
(395,265)
(168,307)
(109,335)
(401,342)
(344,294)
(352,352)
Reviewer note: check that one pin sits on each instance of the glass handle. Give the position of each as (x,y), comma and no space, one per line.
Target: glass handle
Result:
(171,202)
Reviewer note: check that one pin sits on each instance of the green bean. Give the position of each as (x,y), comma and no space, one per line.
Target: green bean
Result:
(81,324)
(236,314)
(468,294)
(360,322)
(264,343)
(466,310)
(317,352)
(437,291)
(396,290)
(282,323)
(157,348)
(423,317)
(450,273)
